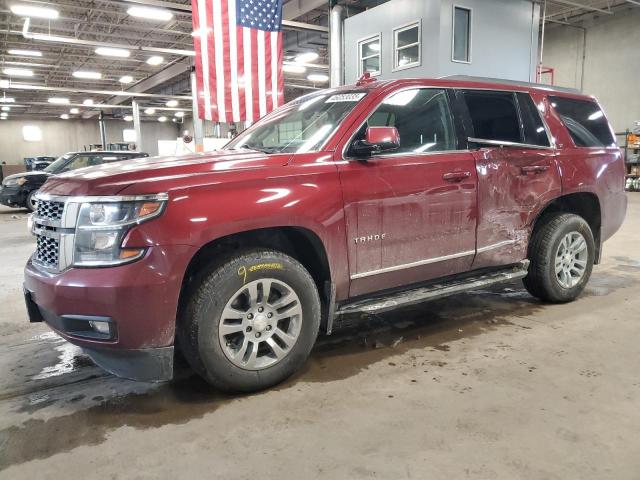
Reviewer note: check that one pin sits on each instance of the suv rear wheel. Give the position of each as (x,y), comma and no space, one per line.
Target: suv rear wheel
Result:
(251,322)
(561,252)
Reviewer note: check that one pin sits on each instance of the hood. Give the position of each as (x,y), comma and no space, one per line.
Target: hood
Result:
(150,172)
(30,176)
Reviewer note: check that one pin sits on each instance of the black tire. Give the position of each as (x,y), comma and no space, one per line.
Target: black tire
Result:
(200,319)
(29,203)
(541,280)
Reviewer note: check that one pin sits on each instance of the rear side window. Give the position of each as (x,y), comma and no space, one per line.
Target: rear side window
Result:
(533,128)
(494,115)
(585,121)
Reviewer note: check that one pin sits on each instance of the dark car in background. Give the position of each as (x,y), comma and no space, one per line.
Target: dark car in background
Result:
(18,190)
(38,163)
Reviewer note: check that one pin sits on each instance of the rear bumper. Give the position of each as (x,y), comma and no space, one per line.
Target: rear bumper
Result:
(12,197)
(138,301)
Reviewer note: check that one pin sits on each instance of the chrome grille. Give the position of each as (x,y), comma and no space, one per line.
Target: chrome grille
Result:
(49,209)
(47,251)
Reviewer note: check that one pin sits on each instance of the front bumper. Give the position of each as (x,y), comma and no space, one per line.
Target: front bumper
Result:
(139,299)
(12,197)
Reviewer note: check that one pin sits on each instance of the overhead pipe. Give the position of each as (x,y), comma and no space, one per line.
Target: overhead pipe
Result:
(22,86)
(74,41)
(336,49)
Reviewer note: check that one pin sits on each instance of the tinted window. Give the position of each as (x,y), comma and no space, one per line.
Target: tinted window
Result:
(585,121)
(422,117)
(534,131)
(494,116)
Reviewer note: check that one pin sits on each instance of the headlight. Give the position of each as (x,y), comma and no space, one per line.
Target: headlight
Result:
(103,224)
(10,182)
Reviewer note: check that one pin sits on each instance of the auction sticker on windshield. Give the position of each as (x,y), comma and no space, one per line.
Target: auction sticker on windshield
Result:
(345,97)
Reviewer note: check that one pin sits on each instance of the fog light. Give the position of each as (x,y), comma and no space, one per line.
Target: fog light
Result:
(100,327)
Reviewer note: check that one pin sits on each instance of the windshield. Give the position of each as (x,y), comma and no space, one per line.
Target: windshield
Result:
(300,126)
(58,164)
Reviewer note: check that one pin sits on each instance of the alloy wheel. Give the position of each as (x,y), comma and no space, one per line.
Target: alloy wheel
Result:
(260,324)
(571,259)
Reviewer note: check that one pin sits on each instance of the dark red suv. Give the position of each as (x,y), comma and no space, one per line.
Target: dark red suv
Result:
(356,199)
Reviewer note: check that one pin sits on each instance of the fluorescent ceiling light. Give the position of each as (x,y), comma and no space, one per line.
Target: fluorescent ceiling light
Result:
(6,109)
(58,100)
(87,75)
(179,114)
(24,53)
(289,68)
(128,118)
(150,111)
(7,100)
(172,103)
(113,52)
(318,77)
(18,72)
(4,114)
(74,111)
(37,12)
(126,79)
(64,116)
(4,83)
(155,60)
(88,102)
(150,13)
(307,57)
(162,119)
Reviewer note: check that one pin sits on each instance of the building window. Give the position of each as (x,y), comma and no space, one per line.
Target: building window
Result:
(369,55)
(406,46)
(31,133)
(461,35)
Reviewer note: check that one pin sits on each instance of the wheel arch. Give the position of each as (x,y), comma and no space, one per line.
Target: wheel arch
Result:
(585,204)
(298,242)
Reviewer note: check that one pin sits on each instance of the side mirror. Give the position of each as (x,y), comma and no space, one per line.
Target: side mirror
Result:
(377,140)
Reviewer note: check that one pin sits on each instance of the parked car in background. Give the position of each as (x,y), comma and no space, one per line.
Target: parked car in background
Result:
(353,200)
(38,163)
(18,190)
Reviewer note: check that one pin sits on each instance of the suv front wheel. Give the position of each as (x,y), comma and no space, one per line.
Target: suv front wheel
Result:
(251,322)
(562,252)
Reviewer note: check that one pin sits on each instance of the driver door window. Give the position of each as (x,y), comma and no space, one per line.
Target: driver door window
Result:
(422,118)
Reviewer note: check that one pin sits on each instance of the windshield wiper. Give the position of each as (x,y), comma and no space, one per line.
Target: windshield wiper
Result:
(266,150)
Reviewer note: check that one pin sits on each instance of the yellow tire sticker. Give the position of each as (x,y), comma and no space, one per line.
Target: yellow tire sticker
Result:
(244,271)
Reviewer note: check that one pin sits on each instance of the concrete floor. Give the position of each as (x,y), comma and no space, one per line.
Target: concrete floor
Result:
(491,384)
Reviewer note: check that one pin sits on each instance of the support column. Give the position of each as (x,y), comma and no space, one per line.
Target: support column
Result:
(103,130)
(136,124)
(197,122)
(336,64)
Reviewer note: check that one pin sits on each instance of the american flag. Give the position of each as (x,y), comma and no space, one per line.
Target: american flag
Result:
(238,46)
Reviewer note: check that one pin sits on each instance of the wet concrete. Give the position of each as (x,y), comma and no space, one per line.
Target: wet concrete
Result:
(487,384)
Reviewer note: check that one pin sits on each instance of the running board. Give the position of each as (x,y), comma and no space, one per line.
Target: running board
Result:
(404,298)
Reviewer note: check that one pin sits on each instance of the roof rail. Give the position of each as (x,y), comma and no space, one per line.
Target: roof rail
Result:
(471,78)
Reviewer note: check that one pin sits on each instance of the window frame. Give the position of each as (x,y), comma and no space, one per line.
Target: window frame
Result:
(366,40)
(458,128)
(402,28)
(469,31)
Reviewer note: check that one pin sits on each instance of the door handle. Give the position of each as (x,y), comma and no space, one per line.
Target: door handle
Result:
(456,176)
(527,169)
